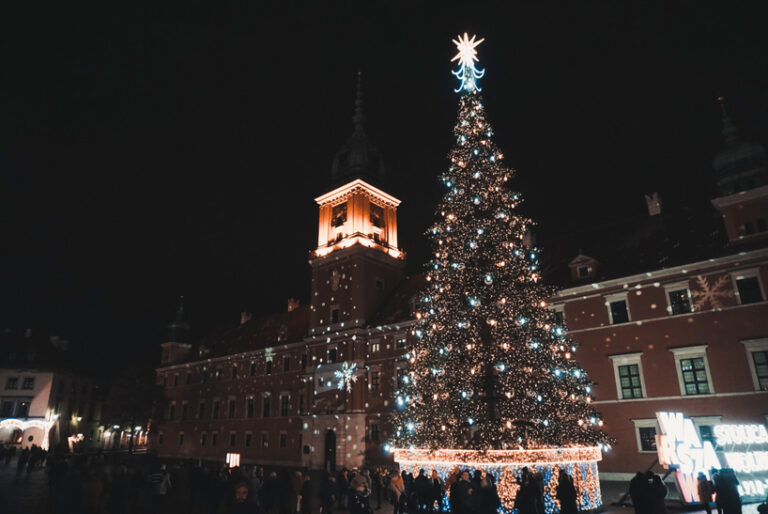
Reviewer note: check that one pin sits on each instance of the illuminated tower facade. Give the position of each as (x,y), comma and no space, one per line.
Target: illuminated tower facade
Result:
(357,262)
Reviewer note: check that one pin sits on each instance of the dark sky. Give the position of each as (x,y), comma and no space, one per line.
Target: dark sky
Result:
(152,149)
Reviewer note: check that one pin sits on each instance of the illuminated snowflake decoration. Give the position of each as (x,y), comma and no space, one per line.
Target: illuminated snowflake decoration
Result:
(711,293)
(346,376)
(467,73)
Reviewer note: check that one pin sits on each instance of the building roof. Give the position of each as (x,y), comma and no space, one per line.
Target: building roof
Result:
(259,333)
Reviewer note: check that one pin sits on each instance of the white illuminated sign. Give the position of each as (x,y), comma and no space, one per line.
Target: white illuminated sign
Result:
(743,447)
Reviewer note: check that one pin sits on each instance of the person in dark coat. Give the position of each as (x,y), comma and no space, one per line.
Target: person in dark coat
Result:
(728,492)
(566,493)
(438,490)
(358,501)
(637,492)
(657,491)
(329,494)
(465,501)
(488,501)
(423,492)
(705,490)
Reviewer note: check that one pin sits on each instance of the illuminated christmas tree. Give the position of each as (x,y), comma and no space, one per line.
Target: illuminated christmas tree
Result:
(492,369)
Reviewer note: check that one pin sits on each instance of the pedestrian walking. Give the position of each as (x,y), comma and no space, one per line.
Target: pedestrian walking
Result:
(566,493)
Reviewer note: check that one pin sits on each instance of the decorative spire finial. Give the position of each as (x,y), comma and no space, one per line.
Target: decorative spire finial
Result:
(467,73)
(180,310)
(359,117)
(729,129)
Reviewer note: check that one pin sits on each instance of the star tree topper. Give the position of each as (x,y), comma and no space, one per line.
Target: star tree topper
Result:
(346,376)
(467,73)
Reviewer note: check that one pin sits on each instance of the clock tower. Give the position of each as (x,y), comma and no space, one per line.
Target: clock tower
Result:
(357,262)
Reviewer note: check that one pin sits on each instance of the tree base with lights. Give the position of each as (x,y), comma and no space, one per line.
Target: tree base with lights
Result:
(507,467)
(492,384)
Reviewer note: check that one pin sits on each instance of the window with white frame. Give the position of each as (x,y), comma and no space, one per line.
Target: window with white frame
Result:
(749,289)
(618,308)
(693,370)
(645,432)
(757,355)
(628,372)
(678,298)
(706,427)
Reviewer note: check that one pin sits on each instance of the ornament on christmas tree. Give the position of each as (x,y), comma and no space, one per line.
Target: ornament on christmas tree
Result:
(493,382)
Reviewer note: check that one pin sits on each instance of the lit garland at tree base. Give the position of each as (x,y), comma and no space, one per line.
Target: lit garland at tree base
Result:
(505,466)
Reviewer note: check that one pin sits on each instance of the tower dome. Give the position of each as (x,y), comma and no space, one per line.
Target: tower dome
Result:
(740,165)
(358,157)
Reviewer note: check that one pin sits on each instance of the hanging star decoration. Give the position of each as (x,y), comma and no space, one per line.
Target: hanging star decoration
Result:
(467,73)
(346,376)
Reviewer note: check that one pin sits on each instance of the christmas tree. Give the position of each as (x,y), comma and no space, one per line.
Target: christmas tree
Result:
(492,369)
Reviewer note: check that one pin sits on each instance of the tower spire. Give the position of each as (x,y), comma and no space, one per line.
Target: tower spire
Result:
(729,129)
(359,117)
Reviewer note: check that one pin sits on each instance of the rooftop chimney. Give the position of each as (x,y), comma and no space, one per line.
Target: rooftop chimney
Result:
(654,204)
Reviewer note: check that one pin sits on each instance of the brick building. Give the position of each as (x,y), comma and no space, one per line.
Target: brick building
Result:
(691,336)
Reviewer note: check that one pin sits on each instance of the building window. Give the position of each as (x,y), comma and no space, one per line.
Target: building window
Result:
(22,409)
(377,216)
(175,380)
(679,298)
(184,410)
(301,404)
(232,439)
(375,379)
(645,432)
(400,343)
(160,438)
(234,371)
(248,437)
(400,375)
(286,364)
(12,383)
(264,440)
(231,408)
(559,314)
(748,287)
(253,369)
(583,271)
(334,314)
(331,355)
(218,374)
(265,407)
(181,438)
(284,404)
(214,438)
(28,383)
(374,432)
(203,438)
(694,375)
(201,409)
(215,409)
(283,440)
(268,368)
(249,406)
(757,356)
(188,378)
(339,215)
(204,376)
(304,361)
(617,309)
(628,372)
(760,362)
(375,346)
(629,377)
(172,411)
(378,283)
(6,411)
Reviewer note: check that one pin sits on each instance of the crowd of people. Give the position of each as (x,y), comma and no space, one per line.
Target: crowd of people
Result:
(648,492)
(111,484)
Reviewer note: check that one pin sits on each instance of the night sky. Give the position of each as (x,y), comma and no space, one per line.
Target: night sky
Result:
(156,149)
